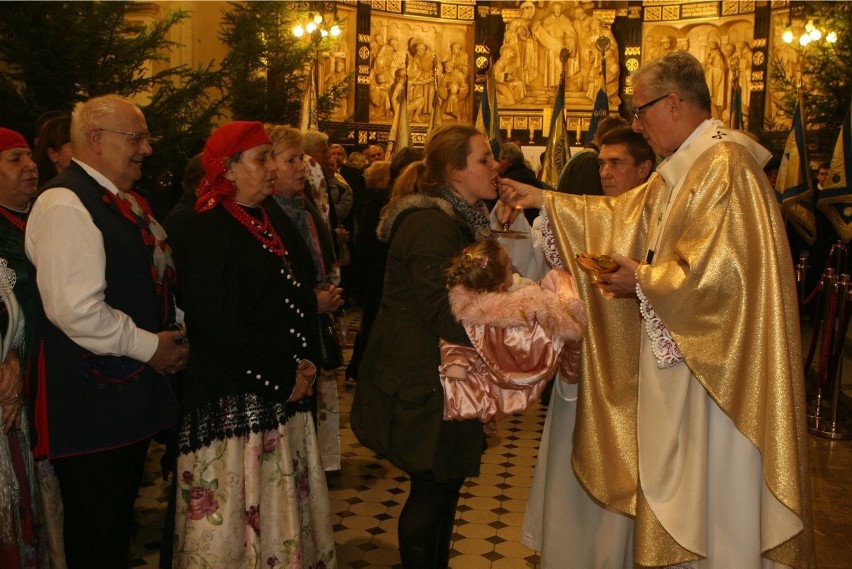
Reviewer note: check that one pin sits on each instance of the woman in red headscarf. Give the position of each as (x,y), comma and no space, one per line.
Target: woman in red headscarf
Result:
(251,487)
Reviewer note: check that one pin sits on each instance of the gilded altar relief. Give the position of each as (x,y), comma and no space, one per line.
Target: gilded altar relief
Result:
(789,57)
(528,69)
(336,64)
(436,58)
(724,47)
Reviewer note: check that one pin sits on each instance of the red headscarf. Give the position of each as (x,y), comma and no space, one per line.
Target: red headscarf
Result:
(226,141)
(11,139)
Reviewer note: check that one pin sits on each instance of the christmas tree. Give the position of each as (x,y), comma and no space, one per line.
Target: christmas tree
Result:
(824,66)
(268,67)
(55,54)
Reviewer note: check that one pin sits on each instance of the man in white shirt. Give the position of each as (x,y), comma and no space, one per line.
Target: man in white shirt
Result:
(105,278)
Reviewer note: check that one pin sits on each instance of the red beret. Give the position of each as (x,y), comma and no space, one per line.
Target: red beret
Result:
(226,141)
(11,139)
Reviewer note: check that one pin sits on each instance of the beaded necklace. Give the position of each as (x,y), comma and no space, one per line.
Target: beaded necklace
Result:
(261,230)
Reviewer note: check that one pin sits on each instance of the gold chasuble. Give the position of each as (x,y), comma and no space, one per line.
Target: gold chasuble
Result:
(720,279)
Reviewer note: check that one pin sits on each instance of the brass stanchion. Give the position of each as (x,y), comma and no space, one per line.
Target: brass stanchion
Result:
(840,261)
(826,421)
(822,333)
(822,293)
(801,275)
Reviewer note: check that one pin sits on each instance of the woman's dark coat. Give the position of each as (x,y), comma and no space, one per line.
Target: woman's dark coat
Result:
(398,406)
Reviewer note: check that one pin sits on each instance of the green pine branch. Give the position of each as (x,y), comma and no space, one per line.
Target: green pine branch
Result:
(55,54)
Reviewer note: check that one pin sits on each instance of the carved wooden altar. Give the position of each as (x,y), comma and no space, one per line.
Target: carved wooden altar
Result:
(444,48)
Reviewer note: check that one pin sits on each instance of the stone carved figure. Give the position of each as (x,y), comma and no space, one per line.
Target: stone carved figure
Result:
(555,32)
(591,59)
(520,38)
(579,80)
(376,44)
(411,57)
(665,44)
(724,49)
(396,92)
(461,61)
(745,55)
(383,59)
(453,89)
(387,60)
(381,81)
(336,77)
(420,80)
(508,75)
(337,73)
(732,62)
(715,70)
(454,84)
(395,54)
(534,38)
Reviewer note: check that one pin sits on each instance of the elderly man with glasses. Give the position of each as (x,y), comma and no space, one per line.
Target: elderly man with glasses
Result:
(104,352)
(689,444)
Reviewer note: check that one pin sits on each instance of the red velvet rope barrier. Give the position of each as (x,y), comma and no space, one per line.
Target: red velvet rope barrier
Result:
(815,291)
(811,296)
(825,350)
(828,263)
(818,312)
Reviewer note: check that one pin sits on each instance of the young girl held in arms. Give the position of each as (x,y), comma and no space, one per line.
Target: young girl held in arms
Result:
(522,333)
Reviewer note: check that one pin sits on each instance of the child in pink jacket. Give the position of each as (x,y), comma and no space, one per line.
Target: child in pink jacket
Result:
(522,333)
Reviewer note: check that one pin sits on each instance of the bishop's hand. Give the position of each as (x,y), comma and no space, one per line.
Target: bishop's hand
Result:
(622,282)
(520,195)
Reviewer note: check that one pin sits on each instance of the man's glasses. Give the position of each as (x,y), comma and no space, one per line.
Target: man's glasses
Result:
(637,112)
(136,138)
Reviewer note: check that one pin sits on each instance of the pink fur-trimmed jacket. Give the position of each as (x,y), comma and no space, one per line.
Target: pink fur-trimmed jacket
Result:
(520,338)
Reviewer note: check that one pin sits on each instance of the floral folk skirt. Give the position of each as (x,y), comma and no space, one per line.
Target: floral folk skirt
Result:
(328,420)
(257,501)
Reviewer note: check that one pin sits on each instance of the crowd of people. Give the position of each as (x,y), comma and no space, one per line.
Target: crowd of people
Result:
(233,370)
(675,433)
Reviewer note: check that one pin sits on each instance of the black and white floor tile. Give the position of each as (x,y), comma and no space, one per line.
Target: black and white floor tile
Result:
(367,495)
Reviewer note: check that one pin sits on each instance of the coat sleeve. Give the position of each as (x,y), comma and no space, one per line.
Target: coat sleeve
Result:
(433,238)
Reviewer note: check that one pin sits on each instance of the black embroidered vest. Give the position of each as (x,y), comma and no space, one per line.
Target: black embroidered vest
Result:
(86,402)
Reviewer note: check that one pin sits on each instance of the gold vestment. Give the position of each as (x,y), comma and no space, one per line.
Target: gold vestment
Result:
(722,283)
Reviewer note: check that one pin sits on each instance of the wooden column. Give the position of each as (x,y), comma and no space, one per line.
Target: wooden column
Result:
(759,67)
(362,63)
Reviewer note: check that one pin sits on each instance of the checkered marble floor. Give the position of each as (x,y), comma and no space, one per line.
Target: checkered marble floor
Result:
(367,495)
